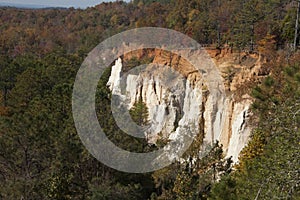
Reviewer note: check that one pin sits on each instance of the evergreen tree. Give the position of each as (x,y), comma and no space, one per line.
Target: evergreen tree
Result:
(139,112)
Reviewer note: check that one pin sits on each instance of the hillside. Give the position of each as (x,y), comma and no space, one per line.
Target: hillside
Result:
(253,131)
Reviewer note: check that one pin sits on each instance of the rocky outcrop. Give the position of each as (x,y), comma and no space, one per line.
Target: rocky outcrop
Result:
(178,100)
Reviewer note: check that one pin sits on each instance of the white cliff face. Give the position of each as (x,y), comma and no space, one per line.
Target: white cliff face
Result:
(177,106)
(114,79)
(240,132)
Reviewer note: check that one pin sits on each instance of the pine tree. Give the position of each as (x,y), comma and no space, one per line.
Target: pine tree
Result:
(139,113)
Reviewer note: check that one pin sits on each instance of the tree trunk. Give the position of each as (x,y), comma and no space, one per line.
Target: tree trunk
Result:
(219,25)
(252,38)
(296,27)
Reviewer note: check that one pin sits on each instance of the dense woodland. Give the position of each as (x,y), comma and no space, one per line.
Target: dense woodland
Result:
(41,155)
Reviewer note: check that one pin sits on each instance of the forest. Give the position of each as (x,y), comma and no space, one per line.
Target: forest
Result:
(41,154)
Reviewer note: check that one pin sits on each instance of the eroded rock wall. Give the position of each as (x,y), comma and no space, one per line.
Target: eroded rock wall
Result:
(179,104)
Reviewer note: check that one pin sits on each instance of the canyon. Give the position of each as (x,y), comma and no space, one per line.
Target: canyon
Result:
(179,101)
